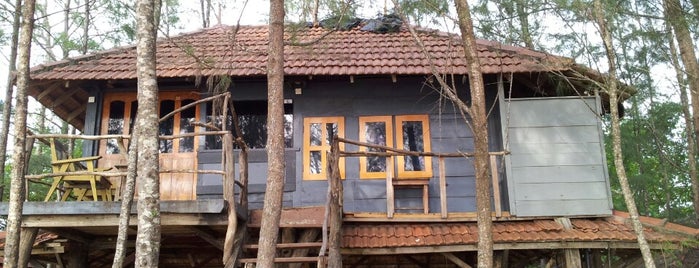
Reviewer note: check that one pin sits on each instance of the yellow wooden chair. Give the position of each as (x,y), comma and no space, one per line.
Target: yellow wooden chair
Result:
(82,185)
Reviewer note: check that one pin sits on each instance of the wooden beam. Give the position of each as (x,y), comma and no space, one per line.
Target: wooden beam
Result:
(78,255)
(59,260)
(284,260)
(36,263)
(65,96)
(390,197)
(306,239)
(308,217)
(208,235)
(71,234)
(76,112)
(290,245)
(499,246)
(44,221)
(450,256)
(572,255)
(228,166)
(195,207)
(47,91)
(417,262)
(496,186)
(26,245)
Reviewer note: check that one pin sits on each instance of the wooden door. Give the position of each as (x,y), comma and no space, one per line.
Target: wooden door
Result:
(178,154)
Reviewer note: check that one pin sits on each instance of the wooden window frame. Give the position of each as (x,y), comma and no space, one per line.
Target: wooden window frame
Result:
(388,120)
(128,98)
(400,164)
(323,148)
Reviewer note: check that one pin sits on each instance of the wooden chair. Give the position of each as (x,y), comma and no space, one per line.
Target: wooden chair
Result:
(82,185)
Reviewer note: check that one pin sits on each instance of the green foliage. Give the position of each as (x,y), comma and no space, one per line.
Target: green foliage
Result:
(655,162)
(422,12)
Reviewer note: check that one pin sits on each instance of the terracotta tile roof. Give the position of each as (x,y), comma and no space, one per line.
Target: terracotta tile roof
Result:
(40,238)
(614,229)
(217,51)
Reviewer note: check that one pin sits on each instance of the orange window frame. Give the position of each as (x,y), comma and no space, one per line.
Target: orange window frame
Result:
(363,120)
(128,98)
(425,120)
(323,148)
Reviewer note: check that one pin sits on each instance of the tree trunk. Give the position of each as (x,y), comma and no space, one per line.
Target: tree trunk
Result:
(480,133)
(148,236)
(688,124)
(271,211)
(675,16)
(523,17)
(86,28)
(126,202)
(7,108)
(612,88)
(17,183)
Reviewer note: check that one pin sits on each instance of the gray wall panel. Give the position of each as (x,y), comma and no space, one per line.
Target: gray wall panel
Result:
(548,174)
(560,134)
(561,191)
(563,207)
(557,163)
(555,159)
(570,111)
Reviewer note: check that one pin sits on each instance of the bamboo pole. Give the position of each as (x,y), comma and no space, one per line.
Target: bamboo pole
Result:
(336,204)
(229,197)
(442,189)
(165,117)
(390,198)
(403,152)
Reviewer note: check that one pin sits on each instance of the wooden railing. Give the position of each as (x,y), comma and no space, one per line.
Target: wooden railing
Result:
(390,152)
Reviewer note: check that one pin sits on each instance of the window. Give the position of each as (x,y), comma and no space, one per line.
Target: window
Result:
(375,130)
(252,116)
(317,138)
(412,133)
(120,117)
(179,123)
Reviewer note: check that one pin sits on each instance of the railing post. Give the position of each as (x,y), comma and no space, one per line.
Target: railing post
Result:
(229,196)
(496,185)
(336,204)
(443,189)
(390,195)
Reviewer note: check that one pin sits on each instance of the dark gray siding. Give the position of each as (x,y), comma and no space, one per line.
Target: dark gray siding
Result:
(557,164)
(381,96)
(364,97)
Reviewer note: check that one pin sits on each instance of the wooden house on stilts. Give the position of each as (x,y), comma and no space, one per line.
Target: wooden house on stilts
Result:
(363,105)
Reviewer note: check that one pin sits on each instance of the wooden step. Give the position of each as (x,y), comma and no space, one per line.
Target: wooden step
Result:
(283,260)
(290,245)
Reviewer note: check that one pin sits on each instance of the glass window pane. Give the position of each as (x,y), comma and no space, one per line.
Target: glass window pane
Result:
(331,129)
(375,133)
(187,118)
(254,128)
(316,164)
(316,134)
(413,141)
(132,116)
(115,124)
(289,130)
(167,126)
